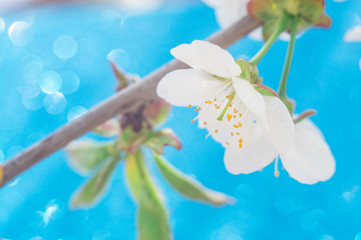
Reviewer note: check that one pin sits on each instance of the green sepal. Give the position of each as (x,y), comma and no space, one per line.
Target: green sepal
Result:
(159,139)
(157,113)
(307,12)
(249,71)
(130,141)
(188,186)
(86,155)
(304,115)
(120,76)
(92,191)
(152,217)
(110,128)
(265,91)
(290,104)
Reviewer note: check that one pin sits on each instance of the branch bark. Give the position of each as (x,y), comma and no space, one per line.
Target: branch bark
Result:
(125,101)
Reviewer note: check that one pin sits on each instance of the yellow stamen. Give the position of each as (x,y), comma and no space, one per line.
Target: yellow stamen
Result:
(193,121)
(232,134)
(240,145)
(240,115)
(208,135)
(229,117)
(189,106)
(277,173)
(237,125)
(237,133)
(205,123)
(216,131)
(240,140)
(235,111)
(197,109)
(228,143)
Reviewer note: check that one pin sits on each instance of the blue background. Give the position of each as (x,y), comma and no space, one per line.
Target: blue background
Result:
(325,75)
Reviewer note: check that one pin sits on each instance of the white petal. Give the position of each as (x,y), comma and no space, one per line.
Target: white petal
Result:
(281,126)
(186,86)
(309,158)
(252,99)
(208,57)
(258,154)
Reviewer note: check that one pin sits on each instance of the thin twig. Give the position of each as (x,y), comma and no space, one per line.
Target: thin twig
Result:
(125,101)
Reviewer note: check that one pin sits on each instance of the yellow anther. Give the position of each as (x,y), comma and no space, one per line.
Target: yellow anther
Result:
(216,131)
(193,121)
(208,135)
(234,116)
(197,109)
(228,143)
(215,99)
(232,134)
(230,105)
(235,111)
(229,117)
(237,125)
(189,106)
(240,140)
(240,115)
(237,133)
(205,123)
(277,173)
(240,145)
(218,107)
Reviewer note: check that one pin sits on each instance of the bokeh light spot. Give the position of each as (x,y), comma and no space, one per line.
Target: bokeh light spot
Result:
(2,25)
(50,82)
(20,33)
(119,57)
(71,82)
(55,103)
(65,47)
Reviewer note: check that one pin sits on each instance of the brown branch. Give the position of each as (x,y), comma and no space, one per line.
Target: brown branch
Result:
(125,101)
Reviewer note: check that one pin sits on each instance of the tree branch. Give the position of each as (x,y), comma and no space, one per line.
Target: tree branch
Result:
(125,101)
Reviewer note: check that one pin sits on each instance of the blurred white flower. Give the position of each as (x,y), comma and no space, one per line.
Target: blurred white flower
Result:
(353,34)
(230,11)
(246,123)
(140,5)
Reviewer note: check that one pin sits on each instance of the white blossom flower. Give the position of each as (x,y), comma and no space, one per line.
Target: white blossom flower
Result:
(245,122)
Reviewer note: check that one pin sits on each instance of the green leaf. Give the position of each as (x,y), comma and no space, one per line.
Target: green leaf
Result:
(90,193)
(165,137)
(110,128)
(188,186)
(152,216)
(86,155)
(153,223)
